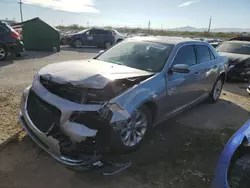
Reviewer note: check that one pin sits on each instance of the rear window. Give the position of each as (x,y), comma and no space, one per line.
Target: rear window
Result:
(203,53)
(233,47)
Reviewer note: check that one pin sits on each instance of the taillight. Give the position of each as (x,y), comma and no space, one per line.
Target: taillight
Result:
(15,35)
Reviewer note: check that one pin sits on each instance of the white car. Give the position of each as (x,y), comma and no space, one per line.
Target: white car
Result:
(118,36)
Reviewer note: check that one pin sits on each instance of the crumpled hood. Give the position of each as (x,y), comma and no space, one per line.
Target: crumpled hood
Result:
(88,73)
(235,58)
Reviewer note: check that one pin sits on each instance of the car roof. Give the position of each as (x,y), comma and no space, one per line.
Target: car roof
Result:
(167,40)
(238,42)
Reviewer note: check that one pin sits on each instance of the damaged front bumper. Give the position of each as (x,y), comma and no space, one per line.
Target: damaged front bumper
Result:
(64,136)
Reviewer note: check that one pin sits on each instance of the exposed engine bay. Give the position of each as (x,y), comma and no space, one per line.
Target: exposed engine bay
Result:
(89,95)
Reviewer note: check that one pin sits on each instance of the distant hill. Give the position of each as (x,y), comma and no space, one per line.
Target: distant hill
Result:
(226,30)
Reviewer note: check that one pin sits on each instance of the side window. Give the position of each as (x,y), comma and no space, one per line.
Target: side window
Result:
(92,32)
(202,53)
(2,29)
(186,55)
(211,55)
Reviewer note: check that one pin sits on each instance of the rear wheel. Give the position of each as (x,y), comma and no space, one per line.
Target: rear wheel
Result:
(107,45)
(240,173)
(3,52)
(216,91)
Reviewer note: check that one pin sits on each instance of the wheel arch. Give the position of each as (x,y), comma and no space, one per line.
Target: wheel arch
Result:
(152,106)
(223,75)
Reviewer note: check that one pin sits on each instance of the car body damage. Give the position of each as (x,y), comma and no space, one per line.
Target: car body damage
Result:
(75,96)
(241,137)
(79,110)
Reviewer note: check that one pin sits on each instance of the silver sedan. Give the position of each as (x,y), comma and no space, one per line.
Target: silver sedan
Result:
(81,109)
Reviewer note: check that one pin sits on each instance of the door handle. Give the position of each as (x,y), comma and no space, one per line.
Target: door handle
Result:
(197,73)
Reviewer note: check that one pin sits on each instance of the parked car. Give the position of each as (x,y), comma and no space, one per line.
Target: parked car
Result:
(238,53)
(80,109)
(9,41)
(118,36)
(92,37)
(233,169)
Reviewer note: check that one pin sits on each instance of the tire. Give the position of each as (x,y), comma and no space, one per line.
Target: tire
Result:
(216,91)
(121,146)
(3,52)
(77,43)
(107,45)
(240,173)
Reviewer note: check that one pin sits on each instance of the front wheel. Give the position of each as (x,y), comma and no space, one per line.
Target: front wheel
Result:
(216,91)
(132,135)
(240,173)
(77,43)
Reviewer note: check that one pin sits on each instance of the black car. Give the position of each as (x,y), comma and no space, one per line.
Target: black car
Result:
(9,41)
(238,53)
(92,37)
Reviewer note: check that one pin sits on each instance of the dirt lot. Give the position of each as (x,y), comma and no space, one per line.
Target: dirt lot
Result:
(182,152)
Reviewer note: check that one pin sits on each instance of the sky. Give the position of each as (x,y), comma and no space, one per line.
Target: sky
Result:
(133,13)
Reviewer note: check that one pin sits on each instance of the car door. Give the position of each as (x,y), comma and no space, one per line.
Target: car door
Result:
(181,90)
(206,69)
(91,37)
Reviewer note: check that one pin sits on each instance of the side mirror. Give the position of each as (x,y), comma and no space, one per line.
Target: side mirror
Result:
(180,68)
(101,52)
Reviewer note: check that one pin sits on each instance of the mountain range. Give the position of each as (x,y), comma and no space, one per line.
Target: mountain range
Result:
(193,29)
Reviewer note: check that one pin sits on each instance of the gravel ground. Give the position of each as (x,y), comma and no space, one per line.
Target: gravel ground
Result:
(182,152)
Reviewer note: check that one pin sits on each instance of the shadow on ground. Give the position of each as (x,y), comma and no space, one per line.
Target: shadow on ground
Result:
(83,49)
(26,56)
(176,155)
(238,88)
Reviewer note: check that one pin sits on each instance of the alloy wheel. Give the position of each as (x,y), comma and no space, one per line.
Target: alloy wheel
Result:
(78,43)
(135,129)
(2,53)
(218,89)
(107,45)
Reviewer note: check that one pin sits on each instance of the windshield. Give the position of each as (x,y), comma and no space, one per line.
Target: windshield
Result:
(83,31)
(237,48)
(149,56)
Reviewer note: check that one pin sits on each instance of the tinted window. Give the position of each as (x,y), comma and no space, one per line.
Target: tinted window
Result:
(202,53)
(102,32)
(2,29)
(144,55)
(185,55)
(235,47)
(92,32)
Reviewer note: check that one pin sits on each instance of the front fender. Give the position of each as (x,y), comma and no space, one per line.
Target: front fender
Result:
(149,90)
(220,177)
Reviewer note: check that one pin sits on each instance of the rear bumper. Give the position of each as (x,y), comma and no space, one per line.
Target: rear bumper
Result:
(15,47)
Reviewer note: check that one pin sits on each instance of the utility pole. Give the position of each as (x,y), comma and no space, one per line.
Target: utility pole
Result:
(21,10)
(87,24)
(209,26)
(149,23)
